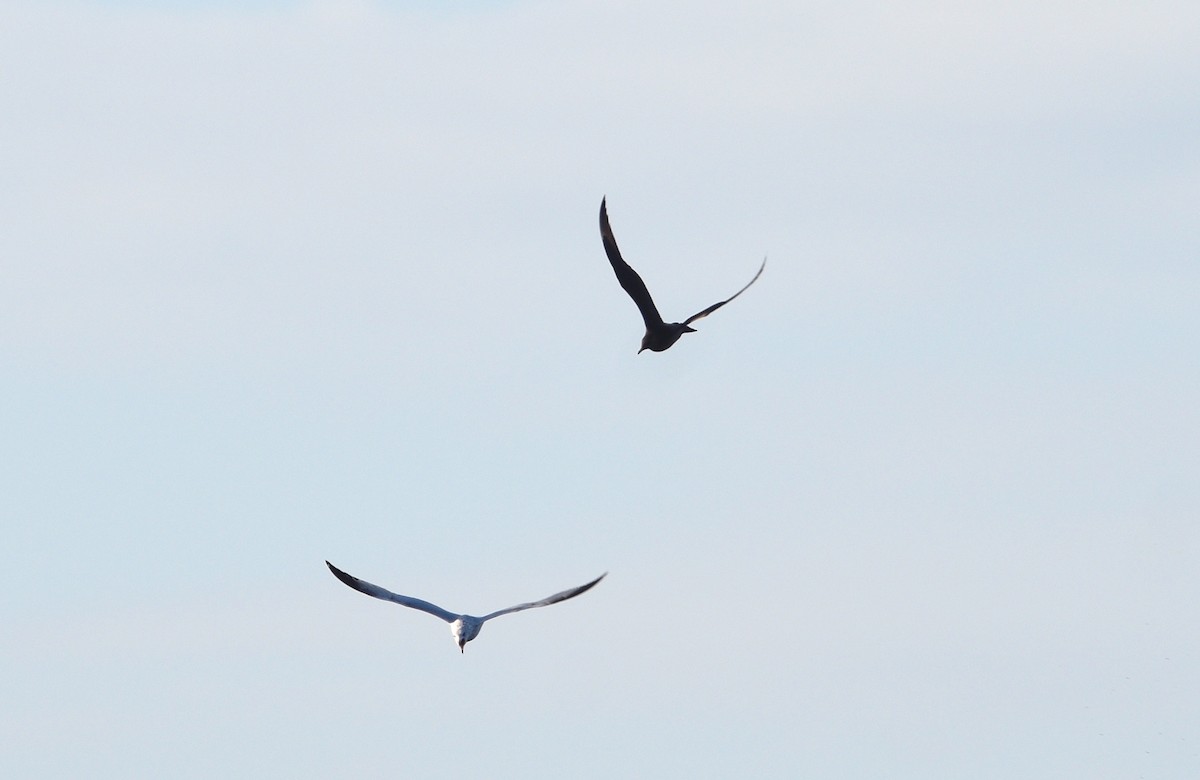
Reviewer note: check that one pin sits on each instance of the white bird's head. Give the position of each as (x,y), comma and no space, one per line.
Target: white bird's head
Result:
(464,630)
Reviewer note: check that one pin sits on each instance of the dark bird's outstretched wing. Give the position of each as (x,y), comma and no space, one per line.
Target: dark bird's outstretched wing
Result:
(629,279)
(362,586)
(715,306)
(557,597)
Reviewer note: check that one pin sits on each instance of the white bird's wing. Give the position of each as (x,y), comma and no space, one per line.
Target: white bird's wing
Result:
(362,586)
(557,597)
(715,306)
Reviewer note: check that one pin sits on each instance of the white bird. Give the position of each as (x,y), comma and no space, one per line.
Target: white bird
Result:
(463,627)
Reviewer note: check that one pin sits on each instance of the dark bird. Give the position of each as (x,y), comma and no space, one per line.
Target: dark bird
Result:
(463,627)
(659,335)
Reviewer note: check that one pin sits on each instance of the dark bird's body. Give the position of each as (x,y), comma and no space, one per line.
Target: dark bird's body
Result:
(659,335)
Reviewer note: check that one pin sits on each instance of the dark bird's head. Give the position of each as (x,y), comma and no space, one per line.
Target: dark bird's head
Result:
(661,338)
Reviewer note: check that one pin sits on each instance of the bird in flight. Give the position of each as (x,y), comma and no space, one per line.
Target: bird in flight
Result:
(659,335)
(463,627)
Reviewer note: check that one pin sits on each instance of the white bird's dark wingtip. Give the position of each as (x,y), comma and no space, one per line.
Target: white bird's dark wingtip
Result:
(341,575)
(591,584)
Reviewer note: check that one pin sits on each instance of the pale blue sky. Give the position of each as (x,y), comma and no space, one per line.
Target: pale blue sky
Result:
(324,280)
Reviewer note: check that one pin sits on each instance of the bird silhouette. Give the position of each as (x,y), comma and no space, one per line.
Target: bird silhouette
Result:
(463,627)
(659,335)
